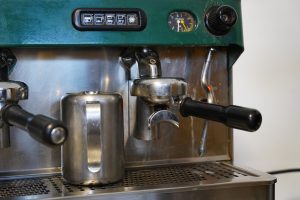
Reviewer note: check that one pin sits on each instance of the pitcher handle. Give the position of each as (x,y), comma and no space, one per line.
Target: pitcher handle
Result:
(93,123)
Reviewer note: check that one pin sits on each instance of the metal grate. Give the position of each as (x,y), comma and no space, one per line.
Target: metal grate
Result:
(146,177)
(61,186)
(160,176)
(23,187)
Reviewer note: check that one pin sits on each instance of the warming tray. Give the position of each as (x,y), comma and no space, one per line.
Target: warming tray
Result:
(209,180)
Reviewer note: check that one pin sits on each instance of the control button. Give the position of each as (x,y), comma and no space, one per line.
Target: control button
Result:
(99,19)
(110,19)
(219,20)
(87,19)
(121,19)
(132,19)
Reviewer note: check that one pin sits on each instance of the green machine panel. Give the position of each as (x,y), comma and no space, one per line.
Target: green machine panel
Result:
(44,23)
(49,22)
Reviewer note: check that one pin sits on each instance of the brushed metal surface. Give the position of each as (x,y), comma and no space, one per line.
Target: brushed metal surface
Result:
(208,180)
(51,73)
(94,151)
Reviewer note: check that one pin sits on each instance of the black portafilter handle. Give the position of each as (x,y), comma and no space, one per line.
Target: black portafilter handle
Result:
(246,119)
(48,131)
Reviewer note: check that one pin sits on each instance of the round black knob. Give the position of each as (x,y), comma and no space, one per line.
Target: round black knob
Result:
(220,19)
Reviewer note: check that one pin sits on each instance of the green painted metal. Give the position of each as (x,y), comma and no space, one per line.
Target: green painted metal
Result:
(44,23)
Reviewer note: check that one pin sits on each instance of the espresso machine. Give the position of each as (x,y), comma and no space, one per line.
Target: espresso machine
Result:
(122,100)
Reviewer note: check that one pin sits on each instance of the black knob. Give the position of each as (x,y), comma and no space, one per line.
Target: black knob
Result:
(220,19)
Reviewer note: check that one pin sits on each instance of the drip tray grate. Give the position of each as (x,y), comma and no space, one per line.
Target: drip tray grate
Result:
(137,178)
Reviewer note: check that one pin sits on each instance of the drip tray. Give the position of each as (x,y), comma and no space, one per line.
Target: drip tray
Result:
(138,183)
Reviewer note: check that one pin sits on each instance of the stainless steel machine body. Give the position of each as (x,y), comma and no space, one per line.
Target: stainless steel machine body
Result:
(196,43)
(73,70)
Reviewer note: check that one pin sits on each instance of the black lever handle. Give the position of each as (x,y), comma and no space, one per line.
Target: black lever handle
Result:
(42,128)
(233,116)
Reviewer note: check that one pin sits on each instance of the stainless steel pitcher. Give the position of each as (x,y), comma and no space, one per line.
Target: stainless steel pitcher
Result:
(94,152)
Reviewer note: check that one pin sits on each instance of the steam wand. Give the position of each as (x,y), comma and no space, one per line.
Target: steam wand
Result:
(208,89)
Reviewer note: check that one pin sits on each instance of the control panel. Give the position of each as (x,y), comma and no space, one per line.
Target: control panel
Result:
(109,19)
(131,23)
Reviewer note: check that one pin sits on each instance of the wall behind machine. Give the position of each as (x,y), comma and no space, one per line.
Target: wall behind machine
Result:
(266,77)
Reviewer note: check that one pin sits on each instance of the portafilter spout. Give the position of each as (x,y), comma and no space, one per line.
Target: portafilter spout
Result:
(155,97)
(154,93)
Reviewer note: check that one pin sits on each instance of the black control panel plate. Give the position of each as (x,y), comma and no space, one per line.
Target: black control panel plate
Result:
(109,19)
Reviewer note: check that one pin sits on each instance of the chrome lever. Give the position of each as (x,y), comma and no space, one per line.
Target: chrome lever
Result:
(209,92)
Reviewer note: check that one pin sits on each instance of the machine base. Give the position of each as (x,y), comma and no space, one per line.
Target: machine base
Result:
(208,181)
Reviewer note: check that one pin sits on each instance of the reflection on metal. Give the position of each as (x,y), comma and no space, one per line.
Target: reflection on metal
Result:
(190,181)
(58,135)
(210,97)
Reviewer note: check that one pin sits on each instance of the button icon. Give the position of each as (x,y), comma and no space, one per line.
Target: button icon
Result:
(99,19)
(132,19)
(110,19)
(87,19)
(121,19)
